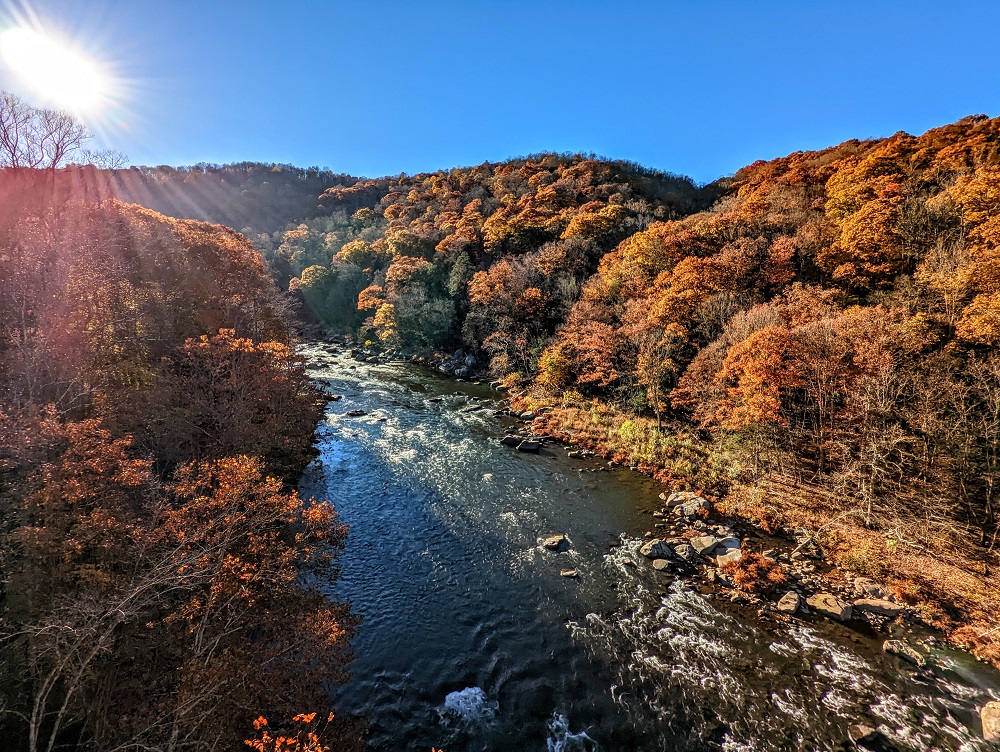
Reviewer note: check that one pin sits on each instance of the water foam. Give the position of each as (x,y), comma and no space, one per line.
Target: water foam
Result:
(561,739)
(467,708)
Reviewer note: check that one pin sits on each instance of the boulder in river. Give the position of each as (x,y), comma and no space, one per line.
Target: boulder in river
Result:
(866,738)
(704,544)
(661,565)
(511,440)
(529,445)
(790,602)
(879,606)
(990,716)
(557,542)
(655,549)
(900,649)
(471,408)
(568,573)
(356,413)
(830,605)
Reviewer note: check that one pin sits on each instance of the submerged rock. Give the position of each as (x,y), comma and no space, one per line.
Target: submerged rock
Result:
(900,649)
(790,602)
(830,605)
(529,445)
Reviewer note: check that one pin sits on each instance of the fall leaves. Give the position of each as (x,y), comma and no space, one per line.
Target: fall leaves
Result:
(154,418)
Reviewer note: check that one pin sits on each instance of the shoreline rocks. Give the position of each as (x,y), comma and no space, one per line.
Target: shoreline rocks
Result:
(990,717)
(830,605)
(900,649)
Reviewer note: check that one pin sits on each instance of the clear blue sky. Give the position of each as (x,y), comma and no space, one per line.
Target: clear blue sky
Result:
(373,88)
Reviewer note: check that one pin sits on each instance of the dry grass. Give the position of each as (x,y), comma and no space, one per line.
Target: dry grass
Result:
(754,573)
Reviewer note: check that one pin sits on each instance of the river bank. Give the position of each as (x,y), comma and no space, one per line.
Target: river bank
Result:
(948,589)
(446,520)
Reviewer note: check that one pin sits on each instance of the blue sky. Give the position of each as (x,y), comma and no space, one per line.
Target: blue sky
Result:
(373,88)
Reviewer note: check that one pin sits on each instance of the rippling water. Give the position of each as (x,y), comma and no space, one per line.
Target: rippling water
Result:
(473,641)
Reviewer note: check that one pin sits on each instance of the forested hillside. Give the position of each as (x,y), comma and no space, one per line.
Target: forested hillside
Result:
(400,257)
(823,344)
(249,196)
(820,343)
(153,423)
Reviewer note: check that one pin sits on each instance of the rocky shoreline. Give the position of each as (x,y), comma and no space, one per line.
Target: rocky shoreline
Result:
(780,576)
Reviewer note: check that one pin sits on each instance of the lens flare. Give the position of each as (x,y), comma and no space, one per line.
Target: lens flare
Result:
(54,71)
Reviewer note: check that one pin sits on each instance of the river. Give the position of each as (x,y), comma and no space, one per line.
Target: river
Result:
(472,640)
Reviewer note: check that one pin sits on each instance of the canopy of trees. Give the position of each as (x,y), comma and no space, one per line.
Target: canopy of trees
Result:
(153,422)
(491,256)
(833,319)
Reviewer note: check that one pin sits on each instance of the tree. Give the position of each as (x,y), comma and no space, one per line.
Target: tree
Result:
(37,138)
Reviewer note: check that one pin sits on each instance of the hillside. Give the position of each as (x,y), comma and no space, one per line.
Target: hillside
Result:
(152,550)
(826,322)
(830,326)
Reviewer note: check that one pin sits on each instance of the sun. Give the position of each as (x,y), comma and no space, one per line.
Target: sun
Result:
(54,71)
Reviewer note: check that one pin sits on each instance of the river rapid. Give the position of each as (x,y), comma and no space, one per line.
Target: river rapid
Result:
(472,640)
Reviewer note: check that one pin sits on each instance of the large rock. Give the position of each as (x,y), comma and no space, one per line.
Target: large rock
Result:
(725,555)
(555,542)
(691,507)
(686,552)
(661,565)
(511,440)
(900,649)
(830,605)
(990,716)
(655,549)
(879,606)
(529,445)
(869,739)
(790,602)
(866,588)
(676,498)
(704,544)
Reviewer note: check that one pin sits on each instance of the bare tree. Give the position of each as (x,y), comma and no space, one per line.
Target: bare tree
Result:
(37,138)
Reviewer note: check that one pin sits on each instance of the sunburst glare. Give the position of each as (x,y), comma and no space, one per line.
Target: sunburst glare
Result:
(53,70)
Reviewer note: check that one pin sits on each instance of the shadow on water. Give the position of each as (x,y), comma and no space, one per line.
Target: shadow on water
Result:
(472,640)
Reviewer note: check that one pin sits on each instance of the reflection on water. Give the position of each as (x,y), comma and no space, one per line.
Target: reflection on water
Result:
(473,641)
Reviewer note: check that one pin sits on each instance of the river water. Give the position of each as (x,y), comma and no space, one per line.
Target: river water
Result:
(473,641)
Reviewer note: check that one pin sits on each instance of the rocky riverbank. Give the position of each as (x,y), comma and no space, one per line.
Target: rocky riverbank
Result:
(778,576)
